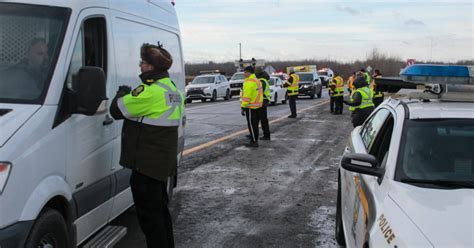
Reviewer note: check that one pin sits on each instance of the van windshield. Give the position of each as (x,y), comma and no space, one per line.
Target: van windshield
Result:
(437,152)
(30,40)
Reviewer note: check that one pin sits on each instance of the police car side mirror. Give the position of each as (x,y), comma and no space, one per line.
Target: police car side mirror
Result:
(362,163)
(89,91)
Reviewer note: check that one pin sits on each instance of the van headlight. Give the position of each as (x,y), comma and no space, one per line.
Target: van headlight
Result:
(5,169)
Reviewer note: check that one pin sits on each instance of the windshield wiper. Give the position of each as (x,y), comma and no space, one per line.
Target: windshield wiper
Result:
(442,183)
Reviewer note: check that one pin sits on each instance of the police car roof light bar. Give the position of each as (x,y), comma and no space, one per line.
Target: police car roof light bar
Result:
(438,74)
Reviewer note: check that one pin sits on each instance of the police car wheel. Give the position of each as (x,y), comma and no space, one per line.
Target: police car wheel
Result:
(339,225)
(49,231)
(214,96)
(227,95)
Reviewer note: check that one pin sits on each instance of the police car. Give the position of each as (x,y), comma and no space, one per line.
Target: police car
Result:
(406,178)
(277,91)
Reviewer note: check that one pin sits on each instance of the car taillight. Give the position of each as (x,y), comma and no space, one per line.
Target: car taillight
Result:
(4,173)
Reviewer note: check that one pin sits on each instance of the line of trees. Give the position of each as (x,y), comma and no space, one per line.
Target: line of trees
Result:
(388,65)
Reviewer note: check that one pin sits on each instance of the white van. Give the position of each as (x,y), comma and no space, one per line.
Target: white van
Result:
(60,178)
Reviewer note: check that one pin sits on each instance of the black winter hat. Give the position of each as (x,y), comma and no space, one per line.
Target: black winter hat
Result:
(157,56)
(249,69)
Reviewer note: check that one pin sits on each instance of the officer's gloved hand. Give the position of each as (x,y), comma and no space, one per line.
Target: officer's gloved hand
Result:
(124,88)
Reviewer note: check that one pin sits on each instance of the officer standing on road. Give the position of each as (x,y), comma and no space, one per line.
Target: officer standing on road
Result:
(264,77)
(251,102)
(338,93)
(152,113)
(361,104)
(350,82)
(292,86)
(378,95)
(331,89)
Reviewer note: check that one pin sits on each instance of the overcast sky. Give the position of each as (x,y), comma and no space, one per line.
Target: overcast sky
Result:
(322,29)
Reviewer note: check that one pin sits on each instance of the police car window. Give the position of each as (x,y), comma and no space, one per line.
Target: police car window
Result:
(372,127)
(272,81)
(437,151)
(381,142)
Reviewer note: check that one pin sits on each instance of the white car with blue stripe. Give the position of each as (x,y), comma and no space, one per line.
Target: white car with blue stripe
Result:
(406,178)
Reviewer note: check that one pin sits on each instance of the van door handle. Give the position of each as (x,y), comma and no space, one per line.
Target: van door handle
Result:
(107,120)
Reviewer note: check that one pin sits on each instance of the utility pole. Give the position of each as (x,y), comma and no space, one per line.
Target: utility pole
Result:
(240,51)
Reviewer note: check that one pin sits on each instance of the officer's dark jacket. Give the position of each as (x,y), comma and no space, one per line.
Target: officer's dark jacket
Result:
(150,150)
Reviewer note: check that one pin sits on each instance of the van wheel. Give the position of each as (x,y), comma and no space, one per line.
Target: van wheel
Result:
(227,95)
(214,96)
(339,225)
(49,231)
(276,100)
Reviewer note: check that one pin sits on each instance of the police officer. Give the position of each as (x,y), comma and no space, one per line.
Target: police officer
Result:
(378,94)
(251,102)
(152,113)
(338,93)
(264,77)
(361,104)
(292,92)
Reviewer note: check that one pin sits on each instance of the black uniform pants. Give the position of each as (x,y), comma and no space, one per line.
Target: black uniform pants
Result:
(253,117)
(331,104)
(377,101)
(359,115)
(292,103)
(338,104)
(264,120)
(151,203)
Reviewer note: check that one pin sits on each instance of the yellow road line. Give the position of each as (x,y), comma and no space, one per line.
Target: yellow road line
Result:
(230,136)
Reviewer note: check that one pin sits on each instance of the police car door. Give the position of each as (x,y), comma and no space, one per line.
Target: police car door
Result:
(89,140)
(364,193)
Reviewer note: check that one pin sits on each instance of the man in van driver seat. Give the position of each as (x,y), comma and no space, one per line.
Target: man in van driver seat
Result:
(152,113)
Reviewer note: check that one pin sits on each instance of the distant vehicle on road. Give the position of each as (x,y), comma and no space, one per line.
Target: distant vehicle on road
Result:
(407,175)
(326,75)
(236,83)
(277,91)
(208,86)
(310,84)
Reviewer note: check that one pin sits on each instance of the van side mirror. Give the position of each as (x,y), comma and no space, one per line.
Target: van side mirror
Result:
(362,163)
(89,91)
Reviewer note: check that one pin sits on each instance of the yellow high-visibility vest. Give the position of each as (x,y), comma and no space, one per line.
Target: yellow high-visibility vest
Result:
(293,88)
(339,86)
(252,95)
(367,96)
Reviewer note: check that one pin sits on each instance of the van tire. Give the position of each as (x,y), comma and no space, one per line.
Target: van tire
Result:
(339,230)
(49,229)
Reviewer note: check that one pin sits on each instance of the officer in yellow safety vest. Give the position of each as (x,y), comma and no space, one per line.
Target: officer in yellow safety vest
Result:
(337,93)
(378,94)
(361,104)
(264,77)
(366,76)
(292,86)
(252,101)
(152,113)
(350,82)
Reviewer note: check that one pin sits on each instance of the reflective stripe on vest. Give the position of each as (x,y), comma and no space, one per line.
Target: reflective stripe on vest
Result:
(158,104)
(366,101)
(293,88)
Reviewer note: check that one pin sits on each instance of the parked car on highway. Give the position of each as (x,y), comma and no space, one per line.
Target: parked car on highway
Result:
(406,178)
(208,86)
(277,91)
(236,83)
(310,84)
